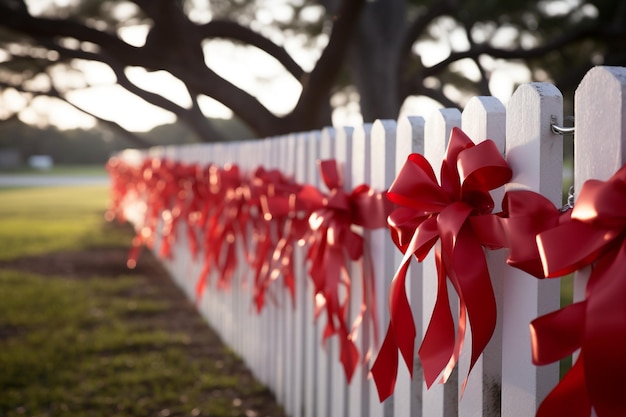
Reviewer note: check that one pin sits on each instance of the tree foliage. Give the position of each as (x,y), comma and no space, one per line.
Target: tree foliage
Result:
(386,50)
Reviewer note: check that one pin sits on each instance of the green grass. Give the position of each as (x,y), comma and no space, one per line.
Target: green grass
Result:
(71,351)
(88,346)
(80,170)
(41,220)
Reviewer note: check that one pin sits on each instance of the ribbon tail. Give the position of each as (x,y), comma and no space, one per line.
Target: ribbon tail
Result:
(438,344)
(385,368)
(558,334)
(133,254)
(569,397)
(400,335)
(471,273)
(604,341)
(349,354)
(368,313)
(202,281)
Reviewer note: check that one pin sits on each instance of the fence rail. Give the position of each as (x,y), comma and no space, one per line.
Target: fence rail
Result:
(281,345)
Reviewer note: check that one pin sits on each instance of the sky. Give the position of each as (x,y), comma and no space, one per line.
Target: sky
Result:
(270,83)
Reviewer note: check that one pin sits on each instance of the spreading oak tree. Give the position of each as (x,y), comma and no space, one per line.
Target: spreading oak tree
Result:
(372,47)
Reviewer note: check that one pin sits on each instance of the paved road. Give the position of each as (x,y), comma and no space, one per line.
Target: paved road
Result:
(50,180)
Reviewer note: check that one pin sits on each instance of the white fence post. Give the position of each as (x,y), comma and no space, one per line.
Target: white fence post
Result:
(303,319)
(328,351)
(313,353)
(338,386)
(358,391)
(600,140)
(485,118)
(534,154)
(441,400)
(383,171)
(290,337)
(407,399)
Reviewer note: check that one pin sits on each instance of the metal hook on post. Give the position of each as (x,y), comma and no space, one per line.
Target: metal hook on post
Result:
(560,130)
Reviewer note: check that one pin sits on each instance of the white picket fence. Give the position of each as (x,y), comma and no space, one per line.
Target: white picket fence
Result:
(282,345)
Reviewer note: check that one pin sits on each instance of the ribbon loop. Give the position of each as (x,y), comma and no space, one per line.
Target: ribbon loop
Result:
(429,212)
(593,234)
(332,245)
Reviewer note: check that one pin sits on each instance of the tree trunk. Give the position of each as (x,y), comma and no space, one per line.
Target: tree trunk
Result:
(373,58)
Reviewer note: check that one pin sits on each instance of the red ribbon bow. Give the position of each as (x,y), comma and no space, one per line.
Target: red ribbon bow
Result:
(428,213)
(225,226)
(596,325)
(332,244)
(269,231)
(524,215)
(154,185)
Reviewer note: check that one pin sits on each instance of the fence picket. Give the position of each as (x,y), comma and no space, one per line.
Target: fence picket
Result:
(534,154)
(327,352)
(383,172)
(407,399)
(600,141)
(302,316)
(485,118)
(287,308)
(312,408)
(441,399)
(338,386)
(358,391)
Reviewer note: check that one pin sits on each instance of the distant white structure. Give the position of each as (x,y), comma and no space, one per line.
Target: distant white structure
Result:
(41,162)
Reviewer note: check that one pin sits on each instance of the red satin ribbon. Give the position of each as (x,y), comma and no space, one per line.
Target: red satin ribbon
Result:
(126,183)
(268,230)
(225,226)
(597,325)
(332,246)
(153,187)
(427,213)
(524,215)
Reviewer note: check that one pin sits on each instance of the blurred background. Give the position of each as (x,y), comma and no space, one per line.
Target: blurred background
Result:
(81,79)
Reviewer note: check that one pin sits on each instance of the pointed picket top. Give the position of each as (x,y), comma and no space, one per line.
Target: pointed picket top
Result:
(383,171)
(338,397)
(485,118)
(600,135)
(441,400)
(600,124)
(343,154)
(534,153)
(407,395)
(358,390)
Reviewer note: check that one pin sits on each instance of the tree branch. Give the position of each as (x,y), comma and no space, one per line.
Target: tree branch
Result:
(54,93)
(415,31)
(316,87)
(234,31)
(199,77)
(483,83)
(521,53)
(195,119)
(41,27)
(437,95)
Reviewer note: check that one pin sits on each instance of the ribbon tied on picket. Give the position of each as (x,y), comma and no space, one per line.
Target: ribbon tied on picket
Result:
(441,216)
(594,235)
(332,245)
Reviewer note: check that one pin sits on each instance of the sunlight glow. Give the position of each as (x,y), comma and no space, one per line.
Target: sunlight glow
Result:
(256,72)
(134,35)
